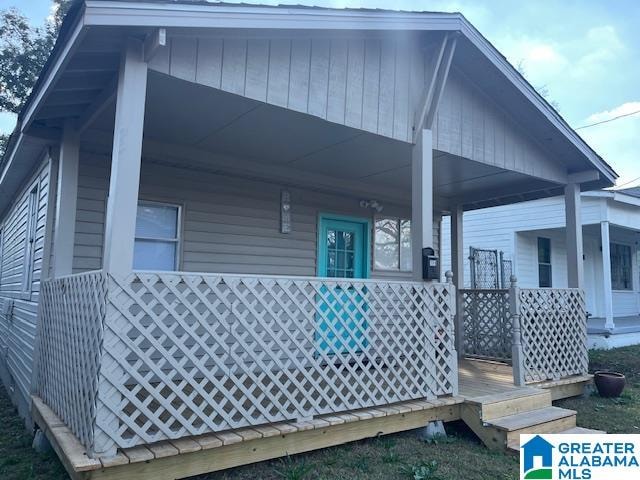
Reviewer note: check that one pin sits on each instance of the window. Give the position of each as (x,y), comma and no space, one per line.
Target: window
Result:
(621,267)
(30,240)
(392,249)
(544,262)
(157,237)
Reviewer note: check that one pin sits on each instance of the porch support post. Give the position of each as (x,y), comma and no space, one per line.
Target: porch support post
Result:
(575,264)
(120,226)
(609,323)
(421,198)
(66,201)
(457,266)
(125,161)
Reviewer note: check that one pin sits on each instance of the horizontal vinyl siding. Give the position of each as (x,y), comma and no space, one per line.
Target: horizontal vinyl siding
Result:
(495,229)
(18,331)
(229,225)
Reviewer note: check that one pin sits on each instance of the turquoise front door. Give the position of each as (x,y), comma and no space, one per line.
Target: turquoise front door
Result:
(343,246)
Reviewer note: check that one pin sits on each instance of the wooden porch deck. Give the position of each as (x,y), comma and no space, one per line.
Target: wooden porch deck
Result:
(479,383)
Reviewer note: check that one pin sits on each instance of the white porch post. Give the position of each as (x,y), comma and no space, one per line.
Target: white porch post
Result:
(457,266)
(606,275)
(66,201)
(421,198)
(125,161)
(119,235)
(575,264)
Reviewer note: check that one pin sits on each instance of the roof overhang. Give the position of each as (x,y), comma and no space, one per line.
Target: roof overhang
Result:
(141,17)
(614,196)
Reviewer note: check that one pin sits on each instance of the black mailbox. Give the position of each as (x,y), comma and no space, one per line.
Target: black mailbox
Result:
(430,264)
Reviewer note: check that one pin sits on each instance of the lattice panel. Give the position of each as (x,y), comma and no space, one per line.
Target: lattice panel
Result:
(187,354)
(554,333)
(72,311)
(487,324)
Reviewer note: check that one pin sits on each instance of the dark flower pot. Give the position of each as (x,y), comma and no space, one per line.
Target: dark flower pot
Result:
(609,384)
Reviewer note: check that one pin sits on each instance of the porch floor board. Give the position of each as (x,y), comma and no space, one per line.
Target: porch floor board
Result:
(170,459)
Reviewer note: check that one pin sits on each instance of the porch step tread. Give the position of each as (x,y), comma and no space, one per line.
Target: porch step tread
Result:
(514,444)
(519,421)
(506,396)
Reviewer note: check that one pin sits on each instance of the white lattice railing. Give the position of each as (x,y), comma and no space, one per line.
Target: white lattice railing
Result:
(186,354)
(70,332)
(553,333)
(486,323)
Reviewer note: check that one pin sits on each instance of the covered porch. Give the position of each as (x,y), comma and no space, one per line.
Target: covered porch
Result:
(261,316)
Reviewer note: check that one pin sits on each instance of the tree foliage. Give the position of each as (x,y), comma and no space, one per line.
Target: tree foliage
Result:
(24,49)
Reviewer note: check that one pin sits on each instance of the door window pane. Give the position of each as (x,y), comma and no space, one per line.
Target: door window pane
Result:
(340,254)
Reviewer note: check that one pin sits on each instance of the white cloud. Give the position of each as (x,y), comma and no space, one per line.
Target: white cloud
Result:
(624,109)
(617,141)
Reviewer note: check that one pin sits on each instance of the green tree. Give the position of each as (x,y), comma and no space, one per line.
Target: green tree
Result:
(24,49)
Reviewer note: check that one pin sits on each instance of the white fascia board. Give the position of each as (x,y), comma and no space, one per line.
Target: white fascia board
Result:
(142,14)
(627,199)
(16,148)
(53,73)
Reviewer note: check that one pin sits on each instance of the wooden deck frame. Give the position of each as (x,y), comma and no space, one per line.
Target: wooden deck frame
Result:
(191,456)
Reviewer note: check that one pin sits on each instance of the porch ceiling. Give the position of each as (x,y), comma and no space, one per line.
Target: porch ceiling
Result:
(193,124)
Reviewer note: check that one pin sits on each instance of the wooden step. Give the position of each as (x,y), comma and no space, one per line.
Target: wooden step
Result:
(583,431)
(520,421)
(514,444)
(509,403)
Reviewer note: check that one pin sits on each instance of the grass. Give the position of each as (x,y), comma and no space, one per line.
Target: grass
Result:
(614,415)
(18,461)
(400,456)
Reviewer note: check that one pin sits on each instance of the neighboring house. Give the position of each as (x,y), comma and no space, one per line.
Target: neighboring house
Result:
(532,235)
(213,222)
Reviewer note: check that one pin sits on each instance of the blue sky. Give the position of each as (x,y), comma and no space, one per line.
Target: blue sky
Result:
(585,53)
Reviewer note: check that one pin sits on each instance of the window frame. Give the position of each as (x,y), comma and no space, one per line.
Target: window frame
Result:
(399,221)
(31,228)
(631,282)
(546,264)
(179,231)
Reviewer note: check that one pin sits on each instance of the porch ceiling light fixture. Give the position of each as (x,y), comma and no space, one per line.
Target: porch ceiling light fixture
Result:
(373,204)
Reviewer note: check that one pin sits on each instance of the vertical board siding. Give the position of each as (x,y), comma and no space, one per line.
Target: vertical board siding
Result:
(230,224)
(360,82)
(472,125)
(18,330)
(374,84)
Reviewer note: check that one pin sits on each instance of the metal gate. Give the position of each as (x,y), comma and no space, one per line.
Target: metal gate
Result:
(489,269)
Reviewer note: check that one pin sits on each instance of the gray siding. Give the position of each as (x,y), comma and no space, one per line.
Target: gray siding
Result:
(373,84)
(230,224)
(18,330)
(471,125)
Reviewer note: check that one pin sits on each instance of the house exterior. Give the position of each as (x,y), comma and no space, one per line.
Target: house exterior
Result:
(216,217)
(532,236)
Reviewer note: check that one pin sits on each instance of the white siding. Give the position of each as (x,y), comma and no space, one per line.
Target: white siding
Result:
(518,226)
(230,224)
(18,330)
